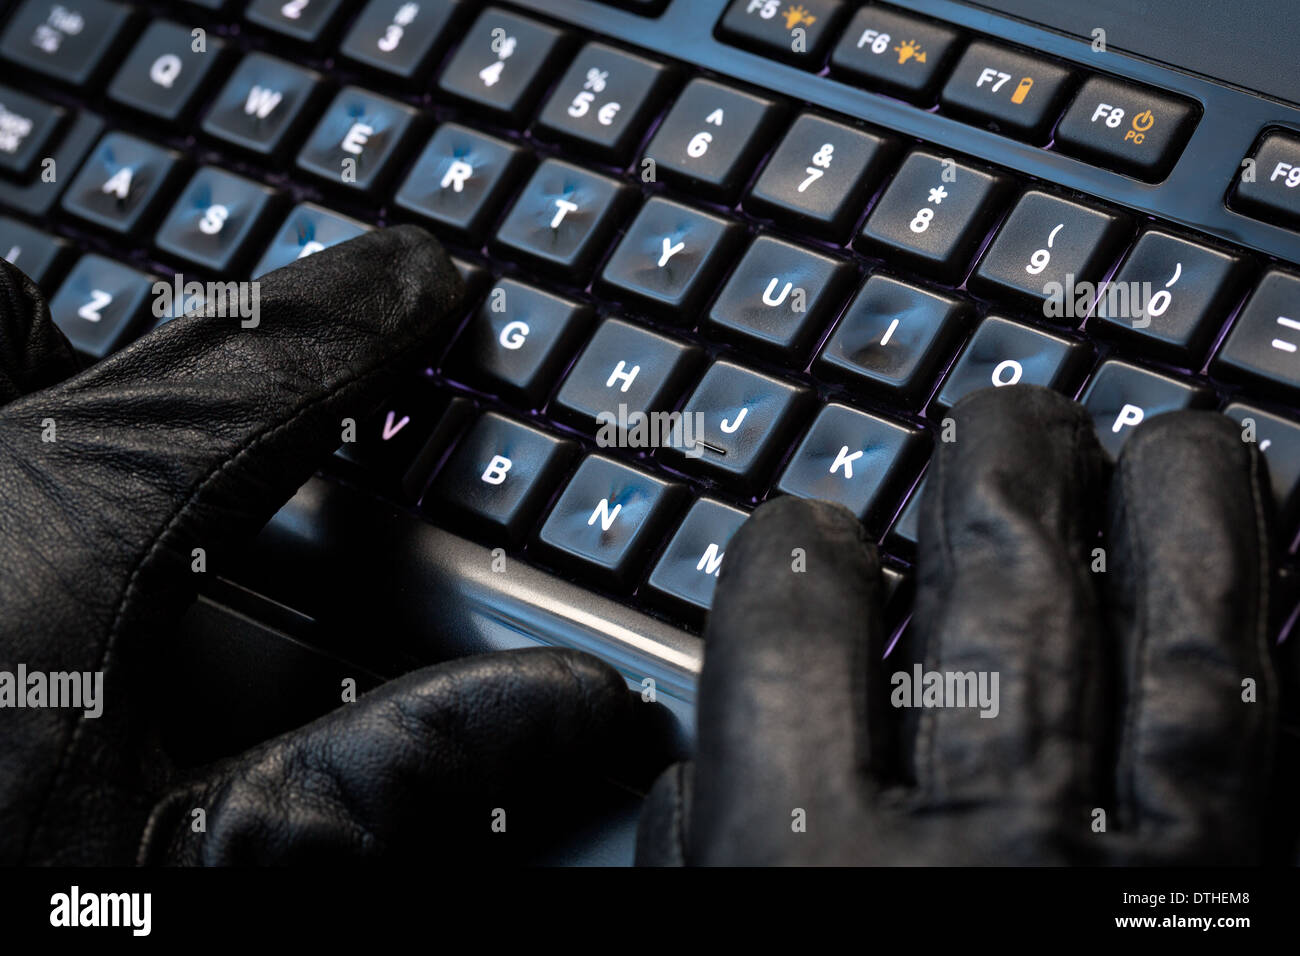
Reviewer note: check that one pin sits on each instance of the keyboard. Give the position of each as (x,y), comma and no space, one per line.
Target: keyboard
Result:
(714,251)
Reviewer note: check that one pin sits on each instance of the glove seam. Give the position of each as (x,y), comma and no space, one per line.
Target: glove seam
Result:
(926,771)
(1083,459)
(679,813)
(1141,652)
(1268,674)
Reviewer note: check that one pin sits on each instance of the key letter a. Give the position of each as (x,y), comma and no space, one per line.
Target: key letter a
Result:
(119,185)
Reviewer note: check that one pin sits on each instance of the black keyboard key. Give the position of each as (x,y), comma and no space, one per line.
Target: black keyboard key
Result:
(307,230)
(307,21)
(564,218)
(895,53)
(747,421)
(819,178)
(894,338)
(39,255)
(399,37)
(1272,192)
(605,101)
(100,305)
(475,277)
(934,213)
(905,533)
(164,74)
(780,296)
(1046,248)
(462,179)
(857,460)
(216,219)
(122,184)
(646,8)
(1008,91)
(687,572)
(795,32)
(518,341)
(1121,396)
(1279,442)
(711,138)
(499,478)
(263,105)
(27,127)
(1263,345)
(609,519)
(396,448)
(670,257)
(359,140)
(504,64)
(1004,353)
(69,41)
(1126,127)
(625,371)
(1170,296)
(37,196)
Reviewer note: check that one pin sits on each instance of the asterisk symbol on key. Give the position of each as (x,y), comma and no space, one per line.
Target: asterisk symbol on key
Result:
(938,195)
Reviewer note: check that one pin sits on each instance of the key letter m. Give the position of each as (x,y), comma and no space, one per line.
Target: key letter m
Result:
(711,560)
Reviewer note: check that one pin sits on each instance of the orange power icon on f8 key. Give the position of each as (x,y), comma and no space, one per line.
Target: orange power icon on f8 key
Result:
(1141,123)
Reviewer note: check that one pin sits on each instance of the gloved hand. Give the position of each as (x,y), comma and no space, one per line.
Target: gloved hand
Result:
(192,438)
(1123,731)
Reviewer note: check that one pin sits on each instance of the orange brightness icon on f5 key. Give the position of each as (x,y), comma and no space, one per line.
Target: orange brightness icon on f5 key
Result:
(796,15)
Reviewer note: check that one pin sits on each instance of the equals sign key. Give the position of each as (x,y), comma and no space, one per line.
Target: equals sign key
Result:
(1283,344)
(1262,344)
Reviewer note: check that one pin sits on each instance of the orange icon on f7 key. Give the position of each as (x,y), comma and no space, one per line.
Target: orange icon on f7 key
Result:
(1022,90)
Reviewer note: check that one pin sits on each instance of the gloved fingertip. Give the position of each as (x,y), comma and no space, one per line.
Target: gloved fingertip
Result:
(1194,432)
(1019,403)
(783,524)
(393,278)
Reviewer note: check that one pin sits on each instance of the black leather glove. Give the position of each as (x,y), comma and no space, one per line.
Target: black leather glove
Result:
(192,438)
(1123,730)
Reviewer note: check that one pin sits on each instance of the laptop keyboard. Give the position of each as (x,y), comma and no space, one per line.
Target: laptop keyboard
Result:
(638,237)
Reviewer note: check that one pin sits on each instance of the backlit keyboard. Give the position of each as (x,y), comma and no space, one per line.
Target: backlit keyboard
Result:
(813,267)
